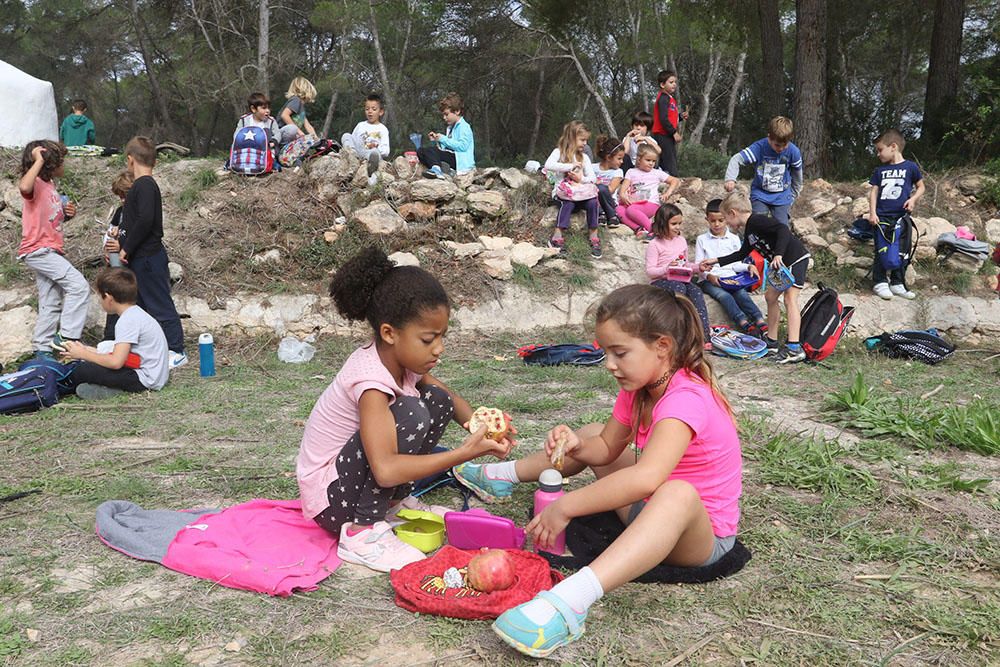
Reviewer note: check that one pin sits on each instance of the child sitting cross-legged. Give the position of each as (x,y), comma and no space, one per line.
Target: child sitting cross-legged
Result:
(370,434)
(668,250)
(101,374)
(677,492)
(719,240)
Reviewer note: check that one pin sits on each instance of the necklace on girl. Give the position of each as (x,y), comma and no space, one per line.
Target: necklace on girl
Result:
(662,380)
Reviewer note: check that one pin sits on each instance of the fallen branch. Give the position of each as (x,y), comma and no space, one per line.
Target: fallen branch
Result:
(932,392)
(802,632)
(689,651)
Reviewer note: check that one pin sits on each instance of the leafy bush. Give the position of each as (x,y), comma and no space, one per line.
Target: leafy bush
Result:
(701,161)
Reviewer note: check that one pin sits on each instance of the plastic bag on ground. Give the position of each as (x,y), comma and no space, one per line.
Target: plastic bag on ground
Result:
(294,351)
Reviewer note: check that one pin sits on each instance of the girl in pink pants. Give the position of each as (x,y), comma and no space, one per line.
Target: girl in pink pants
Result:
(639,192)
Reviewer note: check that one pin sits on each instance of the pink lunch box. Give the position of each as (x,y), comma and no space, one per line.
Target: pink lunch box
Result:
(477,528)
(681,273)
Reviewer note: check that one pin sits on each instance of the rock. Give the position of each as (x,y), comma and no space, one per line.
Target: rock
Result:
(463,249)
(272,255)
(487,204)
(820,206)
(176,272)
(331,235)
(560,265)
(528,254)
(12,198)
(486,176)
(403,167)
(859,208)
(839,250)
(463,220)
(549,216)
(398,192)
(963,263)
(335,168)
(821,185)
(930,229)
(16,325)
(694,184)
(860,261)
(514,178)
(404,259)
(805,226)
(379,218)
(203,212)
(457,205)
(952,314)
(993,230)
(433,189)
(497,264)
(475,188)
(843,201)
(360,179)
(911,276)
(815,241)
(32,634)
(496,242)
(970,185)
(418,211)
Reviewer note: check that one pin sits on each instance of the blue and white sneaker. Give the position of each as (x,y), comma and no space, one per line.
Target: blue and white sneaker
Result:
(177,359)
(473,477)
(539,641)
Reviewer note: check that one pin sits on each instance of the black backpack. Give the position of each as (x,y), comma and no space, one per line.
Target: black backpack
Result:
(926,346)
(824,320)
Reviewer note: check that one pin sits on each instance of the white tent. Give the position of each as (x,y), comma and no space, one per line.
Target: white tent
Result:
(27,108)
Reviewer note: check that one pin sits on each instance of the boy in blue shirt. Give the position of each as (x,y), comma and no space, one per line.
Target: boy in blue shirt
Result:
(455,149)
(897,186)
(777,179)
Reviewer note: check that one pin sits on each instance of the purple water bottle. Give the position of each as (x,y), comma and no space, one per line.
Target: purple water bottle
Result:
(550,490)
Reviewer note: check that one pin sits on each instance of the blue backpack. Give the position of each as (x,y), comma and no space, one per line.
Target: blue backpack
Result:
(566,353)
(893,246)
(28,390)
(65,383)
(729,343)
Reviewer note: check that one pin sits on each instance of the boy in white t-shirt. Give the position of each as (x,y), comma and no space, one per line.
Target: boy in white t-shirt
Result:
(138,360)
(370,139)
(719,240)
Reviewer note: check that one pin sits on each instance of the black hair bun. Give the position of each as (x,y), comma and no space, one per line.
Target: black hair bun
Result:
(355,282)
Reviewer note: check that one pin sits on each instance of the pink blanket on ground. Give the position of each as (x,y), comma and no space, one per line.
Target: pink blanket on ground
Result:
(261,545)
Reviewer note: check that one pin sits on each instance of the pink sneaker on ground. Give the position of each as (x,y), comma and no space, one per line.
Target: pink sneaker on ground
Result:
(412,503)
(377,548)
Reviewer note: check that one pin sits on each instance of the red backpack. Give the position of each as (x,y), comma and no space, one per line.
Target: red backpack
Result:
(824,321)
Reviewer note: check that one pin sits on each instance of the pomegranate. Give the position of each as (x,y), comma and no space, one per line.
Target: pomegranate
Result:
(491,570)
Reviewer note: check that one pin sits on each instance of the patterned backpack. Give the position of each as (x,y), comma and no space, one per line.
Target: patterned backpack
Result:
(250,153)
(295,151)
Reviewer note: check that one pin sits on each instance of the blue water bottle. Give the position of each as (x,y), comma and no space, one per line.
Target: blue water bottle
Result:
(206,355)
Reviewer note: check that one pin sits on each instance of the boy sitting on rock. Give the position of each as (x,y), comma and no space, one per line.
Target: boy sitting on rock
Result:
(137,360)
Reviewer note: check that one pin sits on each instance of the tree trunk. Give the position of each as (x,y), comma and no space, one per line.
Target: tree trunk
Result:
(159,100)
(734,94)
(382,72)
(772,90)
(714,62)
(263,47)
(943,68)
(810,84)
(328,121)
(591,88)
(536,128)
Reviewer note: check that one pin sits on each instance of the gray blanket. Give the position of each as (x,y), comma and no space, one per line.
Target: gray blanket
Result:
(142,534)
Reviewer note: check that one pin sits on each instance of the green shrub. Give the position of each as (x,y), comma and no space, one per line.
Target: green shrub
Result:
(701,161)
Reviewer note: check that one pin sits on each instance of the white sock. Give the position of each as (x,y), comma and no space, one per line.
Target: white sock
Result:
(503,470)
(578,590)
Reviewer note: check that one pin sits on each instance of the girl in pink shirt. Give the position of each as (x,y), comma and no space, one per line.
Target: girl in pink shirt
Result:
(371,433)
(639,192)
(669,249)
(677,491)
